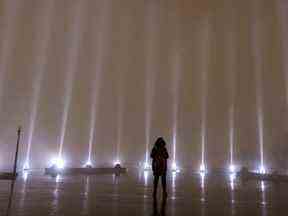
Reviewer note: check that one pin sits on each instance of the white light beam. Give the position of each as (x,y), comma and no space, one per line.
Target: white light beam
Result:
(72,63)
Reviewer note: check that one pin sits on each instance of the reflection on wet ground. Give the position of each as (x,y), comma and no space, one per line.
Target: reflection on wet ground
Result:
(131,194)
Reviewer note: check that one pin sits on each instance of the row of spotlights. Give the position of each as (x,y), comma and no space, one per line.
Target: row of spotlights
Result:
(60,164)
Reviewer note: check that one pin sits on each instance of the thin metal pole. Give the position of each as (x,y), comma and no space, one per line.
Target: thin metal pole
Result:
(17,150)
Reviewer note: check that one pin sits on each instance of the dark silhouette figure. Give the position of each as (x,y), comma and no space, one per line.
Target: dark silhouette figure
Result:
(159,155)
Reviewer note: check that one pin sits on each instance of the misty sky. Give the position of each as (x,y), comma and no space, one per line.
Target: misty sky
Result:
(130,55)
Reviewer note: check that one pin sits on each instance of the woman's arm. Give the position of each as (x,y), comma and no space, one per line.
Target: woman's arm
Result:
(153,153)
(165,153)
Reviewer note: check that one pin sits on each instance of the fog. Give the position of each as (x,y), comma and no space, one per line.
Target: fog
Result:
(100,80)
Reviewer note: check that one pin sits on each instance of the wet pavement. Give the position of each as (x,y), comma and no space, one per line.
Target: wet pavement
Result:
(131,194)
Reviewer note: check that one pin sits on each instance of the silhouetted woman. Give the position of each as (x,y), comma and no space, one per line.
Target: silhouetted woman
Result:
(159,155)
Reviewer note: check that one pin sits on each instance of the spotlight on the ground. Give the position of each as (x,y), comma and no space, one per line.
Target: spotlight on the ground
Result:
(232,168)
(58,167)
(88,164)
(202,168)
(117,163)
(57,163)
(175,168)
(262,170)
(146,166)
(26,166)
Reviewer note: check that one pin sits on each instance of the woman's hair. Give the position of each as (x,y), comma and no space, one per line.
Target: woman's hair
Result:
(160,142)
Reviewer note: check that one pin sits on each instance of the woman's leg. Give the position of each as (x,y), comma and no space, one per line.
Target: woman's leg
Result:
(163,179)
(156,179)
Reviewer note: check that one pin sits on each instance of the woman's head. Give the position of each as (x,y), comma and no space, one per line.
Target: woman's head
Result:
(160,142)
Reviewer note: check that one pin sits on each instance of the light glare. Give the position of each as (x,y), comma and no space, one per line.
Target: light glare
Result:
(146,175)
(232,178)
(175,168)
(232,168)
(262,186)
(25,176)
(88,164)
(117,162)
(146,166)
(202,175)
(202,168)
(58,163)
(26,166)
(262,170)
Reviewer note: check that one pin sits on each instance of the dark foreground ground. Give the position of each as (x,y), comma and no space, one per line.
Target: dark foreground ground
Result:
(189,194)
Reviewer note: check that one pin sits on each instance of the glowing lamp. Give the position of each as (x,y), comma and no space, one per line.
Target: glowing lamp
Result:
(262,170)
(26,166)
(88,164)
(232,168)
(175,168)
(146,166)
(58,163)
(117,162)
(202,168)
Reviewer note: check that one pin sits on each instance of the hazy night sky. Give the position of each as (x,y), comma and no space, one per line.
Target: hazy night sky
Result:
(122,41)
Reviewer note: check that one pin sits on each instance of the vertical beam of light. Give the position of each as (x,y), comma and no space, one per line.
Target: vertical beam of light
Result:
(176,73)
(11,11)
(205,46)
(42,42)
(101,35)
(176,77)
(152,41)
(124,64)
(92,125)
(120,115)
(232,135)
(257,44)
(71,62)
(231,66)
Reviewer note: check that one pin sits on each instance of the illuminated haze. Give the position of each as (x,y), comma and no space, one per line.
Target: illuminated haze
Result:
(103,79)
